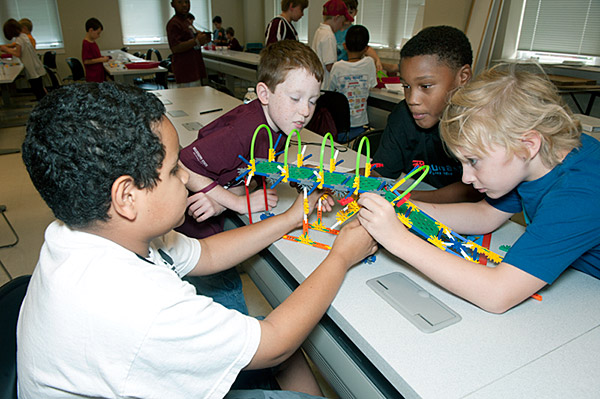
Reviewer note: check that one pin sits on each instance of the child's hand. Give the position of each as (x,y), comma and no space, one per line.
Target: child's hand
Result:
(297,208)
(378,216)
(353,243)
(202,207)
(257,201)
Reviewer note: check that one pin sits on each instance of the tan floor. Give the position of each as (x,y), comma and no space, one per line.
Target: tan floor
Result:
(29,215)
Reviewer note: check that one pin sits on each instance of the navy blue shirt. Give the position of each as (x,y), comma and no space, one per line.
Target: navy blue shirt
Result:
(405,145)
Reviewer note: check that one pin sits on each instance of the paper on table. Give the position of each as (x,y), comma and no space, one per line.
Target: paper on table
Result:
(395,87)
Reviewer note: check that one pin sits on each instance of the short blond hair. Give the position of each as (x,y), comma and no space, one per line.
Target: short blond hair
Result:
(503,103)
(26,22)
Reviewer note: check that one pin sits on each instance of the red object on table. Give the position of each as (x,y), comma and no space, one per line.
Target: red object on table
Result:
(142,65)
(382,81)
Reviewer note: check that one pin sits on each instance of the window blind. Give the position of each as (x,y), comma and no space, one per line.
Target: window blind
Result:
(44,16)
(558,26)
(390,22)
(145,21)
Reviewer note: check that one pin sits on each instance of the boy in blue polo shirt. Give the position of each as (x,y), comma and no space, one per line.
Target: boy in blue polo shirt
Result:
(520,146)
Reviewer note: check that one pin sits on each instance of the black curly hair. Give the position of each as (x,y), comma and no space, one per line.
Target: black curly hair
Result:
(451,46)
(82,137)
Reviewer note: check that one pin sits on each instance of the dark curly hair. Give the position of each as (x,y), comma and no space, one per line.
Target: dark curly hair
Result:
(82,137)
(451,46)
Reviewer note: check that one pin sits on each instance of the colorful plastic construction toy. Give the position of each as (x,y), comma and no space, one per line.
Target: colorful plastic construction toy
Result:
(347,187)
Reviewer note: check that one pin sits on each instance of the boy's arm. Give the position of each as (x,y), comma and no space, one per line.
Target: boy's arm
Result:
(455,192)
(13,49)
(227,249)
(226,199)
(288,325)
(98,60)
(373,54)
(493,289)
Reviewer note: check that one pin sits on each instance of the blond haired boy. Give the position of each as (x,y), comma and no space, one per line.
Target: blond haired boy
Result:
(520,146)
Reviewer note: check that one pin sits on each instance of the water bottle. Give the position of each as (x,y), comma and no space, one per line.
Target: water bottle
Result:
(250,95)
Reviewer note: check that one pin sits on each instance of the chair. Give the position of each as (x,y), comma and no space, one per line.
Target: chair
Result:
(374,137)
(153,51)
(12,229)
(254,47)
(50,59)
(332,114)
(53,79)
(11,297)
(77,71)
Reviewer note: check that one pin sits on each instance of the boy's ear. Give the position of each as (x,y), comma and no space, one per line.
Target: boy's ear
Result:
(263,92)
(124,194)
(532,142)
(464,74)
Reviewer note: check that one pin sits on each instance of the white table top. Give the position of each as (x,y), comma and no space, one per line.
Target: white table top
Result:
(10,69)
(548,343)
(116,66)
(229,55)
(483,350)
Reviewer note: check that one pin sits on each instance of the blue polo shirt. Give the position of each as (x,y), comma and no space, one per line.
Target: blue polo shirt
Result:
(562,210)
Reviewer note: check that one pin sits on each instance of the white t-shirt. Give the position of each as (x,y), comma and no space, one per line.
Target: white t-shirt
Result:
(99,321)
(31,63)
(354,79)
(325,45)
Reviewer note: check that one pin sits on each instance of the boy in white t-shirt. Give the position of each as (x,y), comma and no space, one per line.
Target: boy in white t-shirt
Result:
(335,14)
(106,313)
(354,78)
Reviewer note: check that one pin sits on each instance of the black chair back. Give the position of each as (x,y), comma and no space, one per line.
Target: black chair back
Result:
(11,297)
(155,51)
(374,137)
(50,59)
(53,79)
(76,67)
(332,107)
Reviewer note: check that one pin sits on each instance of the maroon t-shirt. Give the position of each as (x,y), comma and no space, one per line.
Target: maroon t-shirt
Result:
(214,154)
(93,72)
(189,65)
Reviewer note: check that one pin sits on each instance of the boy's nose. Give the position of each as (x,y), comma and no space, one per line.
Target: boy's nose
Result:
(467,177)
(304,109)
(412,97)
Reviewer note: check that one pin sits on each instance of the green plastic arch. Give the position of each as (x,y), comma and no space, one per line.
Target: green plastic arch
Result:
(331,144)
(359,153)
(424,168)
(254,139)
(287,145)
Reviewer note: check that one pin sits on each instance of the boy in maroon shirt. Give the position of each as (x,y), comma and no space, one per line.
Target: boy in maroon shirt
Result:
(90,53)
(184,42)
(289,75)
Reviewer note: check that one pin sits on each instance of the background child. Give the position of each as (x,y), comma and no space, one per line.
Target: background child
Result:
(289,75)
(280,27)
(520,145)
(22,49)
(90,52)
(218,37)
(433,63)
(27,27)
(340,37)
(335,14)
(106,313)
(187,63)
(354,78)
(232,43)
